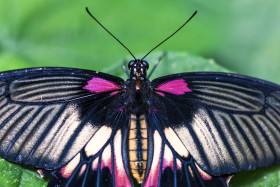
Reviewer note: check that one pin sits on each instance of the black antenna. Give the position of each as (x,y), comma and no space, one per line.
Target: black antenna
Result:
(169,36)
(110,33)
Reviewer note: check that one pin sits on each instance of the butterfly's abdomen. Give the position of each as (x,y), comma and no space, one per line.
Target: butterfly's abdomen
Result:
(137,147)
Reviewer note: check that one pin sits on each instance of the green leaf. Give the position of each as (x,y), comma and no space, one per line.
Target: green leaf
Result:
(15,175)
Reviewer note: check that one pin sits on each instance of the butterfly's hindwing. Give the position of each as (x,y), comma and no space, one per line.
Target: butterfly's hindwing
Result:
(172,165)
(100,162)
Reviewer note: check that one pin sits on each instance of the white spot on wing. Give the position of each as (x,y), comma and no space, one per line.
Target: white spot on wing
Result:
(179,163)
(117,150)
(175,142)
(67,170)
(168,156)
(107,158)
(94,164)
(98,141)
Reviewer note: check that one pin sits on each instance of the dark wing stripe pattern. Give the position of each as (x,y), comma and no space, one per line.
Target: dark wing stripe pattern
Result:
(46,89)
(273,116)
(7,112)
(2,88)
(186,135)
(170,169)
(34,111)
(243,136)
(269,133)
(274,101)
(46,115)
(3,101)
(229,143)
(253,134)
(80,131)
(234,138)
(94,166)
(21,120)
(229,123)
(204,128)
(229,96)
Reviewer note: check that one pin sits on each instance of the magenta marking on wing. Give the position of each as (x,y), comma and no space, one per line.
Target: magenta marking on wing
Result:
(115,92)
(160,93)
(167,163)
(177,87)
(40,171)
(120,108)
(168,158)
(121,178)
(99,85)
(153,177)
(155,109)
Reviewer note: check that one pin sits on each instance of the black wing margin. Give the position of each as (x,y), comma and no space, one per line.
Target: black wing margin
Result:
(46,117)
(228,123)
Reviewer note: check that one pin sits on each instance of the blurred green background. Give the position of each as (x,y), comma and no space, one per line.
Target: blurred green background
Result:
(241,35)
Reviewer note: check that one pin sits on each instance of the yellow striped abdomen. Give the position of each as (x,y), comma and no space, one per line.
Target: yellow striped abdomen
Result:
(138,146)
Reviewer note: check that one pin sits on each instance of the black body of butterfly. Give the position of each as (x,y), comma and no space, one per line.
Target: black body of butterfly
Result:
(88,128)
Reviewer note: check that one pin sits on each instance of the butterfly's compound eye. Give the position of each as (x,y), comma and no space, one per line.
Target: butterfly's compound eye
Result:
(131,64)
(146,64)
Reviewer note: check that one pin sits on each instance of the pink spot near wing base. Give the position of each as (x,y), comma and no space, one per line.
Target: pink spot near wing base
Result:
(115,92)
(99,85)
(160,93)
(177,87)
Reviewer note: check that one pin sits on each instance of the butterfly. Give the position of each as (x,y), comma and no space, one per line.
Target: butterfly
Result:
(87,128)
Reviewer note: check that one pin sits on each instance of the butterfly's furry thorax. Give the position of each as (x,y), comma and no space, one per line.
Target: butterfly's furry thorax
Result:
(137,99)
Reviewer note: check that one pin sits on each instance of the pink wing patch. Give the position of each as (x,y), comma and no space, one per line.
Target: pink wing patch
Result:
(121,178)
(99,85)
(177,87)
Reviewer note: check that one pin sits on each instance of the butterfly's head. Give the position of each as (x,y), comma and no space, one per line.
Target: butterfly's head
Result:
(138,69)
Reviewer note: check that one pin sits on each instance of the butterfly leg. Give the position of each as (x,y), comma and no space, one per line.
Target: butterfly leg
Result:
(164,54)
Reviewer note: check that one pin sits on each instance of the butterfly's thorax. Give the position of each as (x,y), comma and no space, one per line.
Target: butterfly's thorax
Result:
(138,96)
